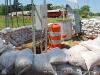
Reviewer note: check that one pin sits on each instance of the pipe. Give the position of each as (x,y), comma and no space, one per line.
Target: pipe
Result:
(16,13)
(11,13)
(22,15)
(33,27)
(45,30)
(5,13)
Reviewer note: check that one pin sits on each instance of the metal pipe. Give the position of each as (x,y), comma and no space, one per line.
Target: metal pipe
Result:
(22,15)
(5,13)
(63,11)
(11,13)
(45,30)
(41,40)
(44,2)
(16,13)
(33,27)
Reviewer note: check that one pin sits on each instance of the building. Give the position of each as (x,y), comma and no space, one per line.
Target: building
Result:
(50,13)
(20,13)
(56,13)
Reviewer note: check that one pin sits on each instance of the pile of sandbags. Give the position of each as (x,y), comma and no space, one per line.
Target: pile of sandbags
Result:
(78,60)
(89,51)
(91,27)
(18,36)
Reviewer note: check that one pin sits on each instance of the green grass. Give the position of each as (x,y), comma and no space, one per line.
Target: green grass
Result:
(20,21)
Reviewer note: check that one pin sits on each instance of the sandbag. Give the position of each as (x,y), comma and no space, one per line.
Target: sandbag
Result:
(97,40)
(7,59)
(67,69)
(1,42)
(57,56)
(23,61)
(96,70)
(41,65)
(91,59)
(91,45)
(76,59)
(5,48)
(78,49)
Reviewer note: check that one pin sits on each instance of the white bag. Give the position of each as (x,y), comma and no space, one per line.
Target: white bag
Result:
(76,59)
(41,65)
(97,39)
(23,61)
(5,48)
(67,69)
(57,56)
(1,42)
(96,71)
(91,59)
(78,49)
(8,58)
(91,45)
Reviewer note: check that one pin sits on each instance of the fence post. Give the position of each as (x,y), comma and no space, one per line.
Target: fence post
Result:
(33,27)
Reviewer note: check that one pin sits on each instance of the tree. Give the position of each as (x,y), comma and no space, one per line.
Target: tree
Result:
(2,9)
(28,7)
(76,10)
(16,5)
(85,10)
(49,7)
(97,14)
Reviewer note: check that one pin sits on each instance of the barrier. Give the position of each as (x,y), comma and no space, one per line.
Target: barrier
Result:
(55,36)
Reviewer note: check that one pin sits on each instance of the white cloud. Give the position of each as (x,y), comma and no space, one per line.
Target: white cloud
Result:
(73,1)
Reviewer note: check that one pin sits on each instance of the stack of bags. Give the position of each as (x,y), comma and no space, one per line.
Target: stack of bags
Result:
(91,27)
(78,60)
(18,36)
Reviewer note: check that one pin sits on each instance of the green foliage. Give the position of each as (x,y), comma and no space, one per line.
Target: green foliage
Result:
(97,14)
(49,7)
(77,10)
(2,9)
(27,21)
(28,7)
(16,5)
(85,10)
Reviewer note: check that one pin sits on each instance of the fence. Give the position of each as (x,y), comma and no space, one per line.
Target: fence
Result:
(12,15)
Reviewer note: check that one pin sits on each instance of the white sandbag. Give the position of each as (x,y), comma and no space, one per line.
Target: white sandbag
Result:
(23,61)
(78,49)
(91,59)
(76,59)
(91,45)
(57,56)
(96,70)
(41,65)
(5,48)
(67,69)
(7,59)
(11,45)
(97,40)
(1,42)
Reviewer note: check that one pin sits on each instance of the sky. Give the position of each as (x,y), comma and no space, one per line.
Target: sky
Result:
(94,4)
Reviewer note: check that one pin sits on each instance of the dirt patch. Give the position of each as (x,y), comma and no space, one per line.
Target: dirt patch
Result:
(65,44)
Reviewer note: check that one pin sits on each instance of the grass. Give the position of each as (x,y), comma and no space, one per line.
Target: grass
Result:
(27,20)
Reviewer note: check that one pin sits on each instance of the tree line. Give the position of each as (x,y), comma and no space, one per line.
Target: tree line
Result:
(17,6)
